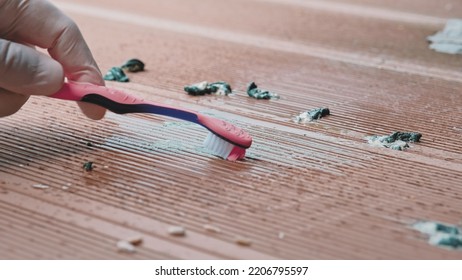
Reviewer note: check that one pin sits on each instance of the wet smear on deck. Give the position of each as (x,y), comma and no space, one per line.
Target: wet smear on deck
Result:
(134,144)
(395,141)
(439,234)
(148,136)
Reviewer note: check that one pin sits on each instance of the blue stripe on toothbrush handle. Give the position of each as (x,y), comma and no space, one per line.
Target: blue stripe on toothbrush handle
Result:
(120,108)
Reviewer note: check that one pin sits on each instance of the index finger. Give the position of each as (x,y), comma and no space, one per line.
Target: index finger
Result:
(42,24)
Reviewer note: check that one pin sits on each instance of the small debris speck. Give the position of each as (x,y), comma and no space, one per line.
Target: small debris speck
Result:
(212,228)
(203,88)
(116,74)
(88,166)
(281,235)
(40,186)
(255,92)
(177,231)
(125,246)
(133,65)
(312,115)
(135,240)
(243,241)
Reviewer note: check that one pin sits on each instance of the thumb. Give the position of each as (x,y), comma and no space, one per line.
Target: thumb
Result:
(25,71)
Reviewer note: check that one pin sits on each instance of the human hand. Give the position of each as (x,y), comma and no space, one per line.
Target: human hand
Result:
(24,71)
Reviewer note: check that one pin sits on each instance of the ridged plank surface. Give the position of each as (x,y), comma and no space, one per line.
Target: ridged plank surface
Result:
(304,191)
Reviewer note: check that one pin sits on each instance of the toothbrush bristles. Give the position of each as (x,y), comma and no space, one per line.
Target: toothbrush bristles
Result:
(236,154)
(223,148)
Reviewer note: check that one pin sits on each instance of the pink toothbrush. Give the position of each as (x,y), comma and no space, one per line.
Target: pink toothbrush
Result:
(224,139)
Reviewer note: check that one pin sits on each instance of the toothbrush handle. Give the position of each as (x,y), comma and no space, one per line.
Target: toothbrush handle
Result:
(119,102)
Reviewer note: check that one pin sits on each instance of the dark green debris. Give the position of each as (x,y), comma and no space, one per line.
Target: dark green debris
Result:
(450,241)
(318,113)
(403,136)
(88,166)
(440,234)
(133,65)
(255,92)
(395,141)
(220,88)
(447,229)
(197,89)
(203,88)
(116,74)
(312,115)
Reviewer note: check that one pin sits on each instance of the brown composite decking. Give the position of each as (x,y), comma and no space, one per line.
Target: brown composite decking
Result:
(314,191)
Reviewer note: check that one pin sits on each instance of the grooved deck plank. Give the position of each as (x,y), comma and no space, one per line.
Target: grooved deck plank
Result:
(320,185)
